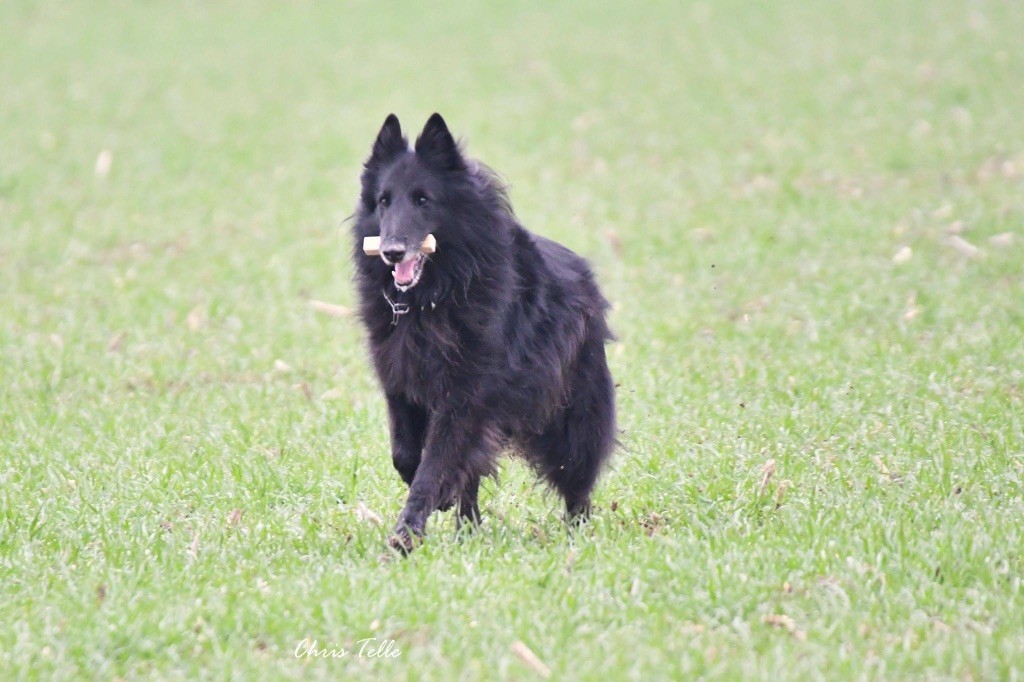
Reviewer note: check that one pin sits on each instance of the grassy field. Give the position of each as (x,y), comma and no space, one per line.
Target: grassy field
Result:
(809,217)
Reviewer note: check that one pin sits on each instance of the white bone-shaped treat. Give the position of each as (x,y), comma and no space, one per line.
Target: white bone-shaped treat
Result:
(371,245)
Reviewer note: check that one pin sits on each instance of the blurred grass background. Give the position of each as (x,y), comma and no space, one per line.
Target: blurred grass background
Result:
(807,215)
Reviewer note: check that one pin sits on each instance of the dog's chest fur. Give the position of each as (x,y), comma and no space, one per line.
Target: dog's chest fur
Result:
(415,357)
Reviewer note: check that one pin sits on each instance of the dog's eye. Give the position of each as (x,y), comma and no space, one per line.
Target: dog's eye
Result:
(420,199)
(384,200)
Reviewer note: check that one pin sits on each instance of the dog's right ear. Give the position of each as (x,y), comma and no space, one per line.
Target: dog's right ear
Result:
(389,142)
(388,146)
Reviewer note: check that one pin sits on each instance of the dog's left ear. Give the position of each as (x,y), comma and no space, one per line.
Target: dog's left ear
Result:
(437,146)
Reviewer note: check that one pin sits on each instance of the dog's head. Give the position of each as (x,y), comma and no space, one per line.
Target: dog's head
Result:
(404,192)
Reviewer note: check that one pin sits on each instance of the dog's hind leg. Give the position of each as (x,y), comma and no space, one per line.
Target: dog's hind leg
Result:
(576,445)
(469,508)
(465,500)
(408,424)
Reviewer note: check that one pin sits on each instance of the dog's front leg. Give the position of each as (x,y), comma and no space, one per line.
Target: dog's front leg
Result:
(408,424)
(440,475)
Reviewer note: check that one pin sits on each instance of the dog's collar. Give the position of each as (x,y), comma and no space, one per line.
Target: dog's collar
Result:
(398,308)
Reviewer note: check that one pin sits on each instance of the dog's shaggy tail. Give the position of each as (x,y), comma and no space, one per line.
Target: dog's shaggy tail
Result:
(571,452)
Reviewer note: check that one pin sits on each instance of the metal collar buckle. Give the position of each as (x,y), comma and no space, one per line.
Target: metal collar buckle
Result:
(397,309)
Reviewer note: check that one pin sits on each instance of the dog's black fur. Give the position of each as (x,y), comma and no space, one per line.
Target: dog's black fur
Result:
(503,340)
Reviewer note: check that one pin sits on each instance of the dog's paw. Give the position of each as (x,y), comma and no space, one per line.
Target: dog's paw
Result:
(577,512)
(404,541)
(401,542)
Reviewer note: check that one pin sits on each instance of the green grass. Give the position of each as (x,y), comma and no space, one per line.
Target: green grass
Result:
(175,503)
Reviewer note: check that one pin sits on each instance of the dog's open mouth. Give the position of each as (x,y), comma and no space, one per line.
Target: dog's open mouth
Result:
(407,273)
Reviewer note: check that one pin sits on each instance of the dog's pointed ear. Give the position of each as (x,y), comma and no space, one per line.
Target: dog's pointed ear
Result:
(437,146)
(389,142)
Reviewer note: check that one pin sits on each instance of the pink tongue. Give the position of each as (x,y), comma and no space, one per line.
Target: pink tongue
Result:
(404,271)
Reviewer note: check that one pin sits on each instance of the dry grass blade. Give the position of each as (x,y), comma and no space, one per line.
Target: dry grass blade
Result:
(964,247)
(529,658)
(104,160)
(1001,240)
(767,471)
(780,492)
(306,389)
(195,318)
(367,515)
(783,622)
(114,344)
(332,309)
(615,241)
(903,255)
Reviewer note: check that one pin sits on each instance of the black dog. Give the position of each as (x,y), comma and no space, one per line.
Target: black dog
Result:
(495,340)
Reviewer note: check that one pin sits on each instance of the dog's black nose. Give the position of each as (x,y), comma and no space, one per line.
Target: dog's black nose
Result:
(393,254)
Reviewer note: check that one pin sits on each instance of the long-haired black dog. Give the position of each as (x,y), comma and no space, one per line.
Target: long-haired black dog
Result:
(497,339)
